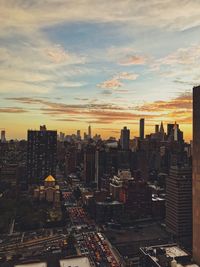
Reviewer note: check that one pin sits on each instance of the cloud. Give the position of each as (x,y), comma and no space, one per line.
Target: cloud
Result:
(117,79)
(126,76)
(132,60)
(97,113)
(183,56)
(12,110)
(106,92)
(177,109)
(29,16)
(110,84)
(58,55)
(182,66)
(183,101)
(81,99)
(38,66)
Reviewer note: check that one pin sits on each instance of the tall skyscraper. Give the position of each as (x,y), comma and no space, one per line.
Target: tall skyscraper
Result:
(141,129)
(170,127)
(125,138)
(78,134)
(156,128)
(3,136)
(89,132)
(196,174)
(179,204)
(41,154)
(89,165)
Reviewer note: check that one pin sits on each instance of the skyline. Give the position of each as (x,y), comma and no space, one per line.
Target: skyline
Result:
(98,63)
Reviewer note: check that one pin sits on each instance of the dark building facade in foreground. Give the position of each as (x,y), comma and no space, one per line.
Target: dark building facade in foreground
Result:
(41,154)
(196,174)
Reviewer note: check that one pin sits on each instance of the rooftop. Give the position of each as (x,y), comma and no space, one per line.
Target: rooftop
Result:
(164,255)
(41,264)
(50,178)
(75,262)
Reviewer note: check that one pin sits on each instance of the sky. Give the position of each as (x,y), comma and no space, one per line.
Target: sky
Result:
(71,63)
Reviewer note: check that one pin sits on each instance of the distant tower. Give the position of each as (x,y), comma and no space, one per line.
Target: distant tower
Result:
(3,136)
(85,136)
(125,138)
(156,128)
(162,128)
(162,131)
(175,132)
(141,129)
(170,128)
(78,134)
(89,132)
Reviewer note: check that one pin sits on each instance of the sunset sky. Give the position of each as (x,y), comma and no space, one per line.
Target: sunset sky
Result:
(68,64)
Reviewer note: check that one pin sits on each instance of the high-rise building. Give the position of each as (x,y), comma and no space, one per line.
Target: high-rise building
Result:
(156,128)
(174,133)
(61,137)
(41,154)
(3,136)
(170,127)
(89,132)
(179,204)
(125,138)
(196,174)
(141,129)
(78,134)
(89,165)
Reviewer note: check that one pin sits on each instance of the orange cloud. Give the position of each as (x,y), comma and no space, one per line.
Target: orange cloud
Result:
(115,82)
(12,110)
(182,103)
(177,109)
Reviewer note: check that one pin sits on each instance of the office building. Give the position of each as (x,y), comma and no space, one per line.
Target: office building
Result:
(179,204)
(141,129)
(78,134)
(89,165)
(196,174)
(3,136)
(89,132)
(125,138)
(174,133)
(170,127)
(156,128)
(41,154)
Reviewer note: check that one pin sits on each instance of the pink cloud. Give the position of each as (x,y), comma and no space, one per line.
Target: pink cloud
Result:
(132,60)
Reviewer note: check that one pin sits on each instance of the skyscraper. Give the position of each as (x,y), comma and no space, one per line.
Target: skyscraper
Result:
(3,136)
(78,134)
(196,174)
(156,128)
(89,165)
(41,154)
(125,138)
(141,129)
(179,203)
(89,132)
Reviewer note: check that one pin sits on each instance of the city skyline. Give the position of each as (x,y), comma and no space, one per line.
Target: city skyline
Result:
(98,63)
